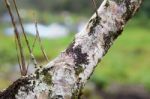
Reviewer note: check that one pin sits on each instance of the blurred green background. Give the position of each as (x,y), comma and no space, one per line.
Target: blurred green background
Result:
(124,71)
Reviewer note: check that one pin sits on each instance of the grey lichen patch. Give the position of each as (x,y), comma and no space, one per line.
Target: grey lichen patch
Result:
(78,56)
(92,24)
(128,13)
(78,70)
(130,8)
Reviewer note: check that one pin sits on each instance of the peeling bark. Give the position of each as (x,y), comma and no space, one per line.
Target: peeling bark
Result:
(65,76)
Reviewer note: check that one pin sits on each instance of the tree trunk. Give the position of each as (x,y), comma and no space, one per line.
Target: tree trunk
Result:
(65,76)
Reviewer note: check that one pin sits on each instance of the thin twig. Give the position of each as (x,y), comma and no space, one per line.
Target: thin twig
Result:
(26,39)
(95,7)
(40,42)
(23,64)
(34,42)
(39,39)
(32,51)
(18,58)
(36,37)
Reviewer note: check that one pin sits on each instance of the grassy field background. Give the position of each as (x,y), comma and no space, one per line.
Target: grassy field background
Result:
(127,62)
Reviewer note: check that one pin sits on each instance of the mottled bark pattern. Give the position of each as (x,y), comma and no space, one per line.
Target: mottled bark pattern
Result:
(13,89)
(65,76)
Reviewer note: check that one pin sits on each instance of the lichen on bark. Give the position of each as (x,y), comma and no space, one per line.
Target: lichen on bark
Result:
(65,76)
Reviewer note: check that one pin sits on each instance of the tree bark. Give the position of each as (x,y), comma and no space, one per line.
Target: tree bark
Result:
(66,75)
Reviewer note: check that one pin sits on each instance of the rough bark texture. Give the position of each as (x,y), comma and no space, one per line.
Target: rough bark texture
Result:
(65,76)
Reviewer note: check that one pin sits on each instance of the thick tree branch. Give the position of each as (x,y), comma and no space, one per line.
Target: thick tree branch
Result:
(65,76)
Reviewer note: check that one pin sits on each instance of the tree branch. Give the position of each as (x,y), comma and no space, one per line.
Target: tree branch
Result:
(65,76)
(21,59)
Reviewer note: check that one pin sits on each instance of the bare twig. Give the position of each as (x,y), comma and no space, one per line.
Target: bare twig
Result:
(26,39)
(36,37)
(40,42)
(23,64)
(95,6)
(34,42)
(18,57)
(33,45)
